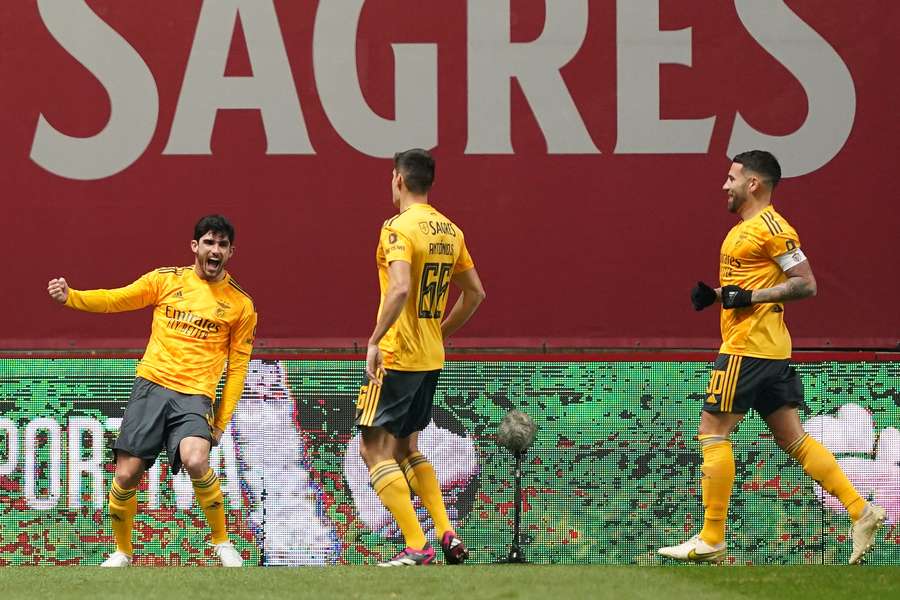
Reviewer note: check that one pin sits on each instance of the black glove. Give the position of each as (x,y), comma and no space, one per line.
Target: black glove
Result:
(702,296)
(735,297)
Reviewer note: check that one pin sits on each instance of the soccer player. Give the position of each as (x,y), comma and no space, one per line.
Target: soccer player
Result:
(761,267)
(420,252)
(201,318)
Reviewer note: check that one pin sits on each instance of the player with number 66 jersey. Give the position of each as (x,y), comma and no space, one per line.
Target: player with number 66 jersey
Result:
(420,253)
(436,250)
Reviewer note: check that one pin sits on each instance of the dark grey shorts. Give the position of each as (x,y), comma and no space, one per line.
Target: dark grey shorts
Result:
(158,417)
(402,404)
(739,383)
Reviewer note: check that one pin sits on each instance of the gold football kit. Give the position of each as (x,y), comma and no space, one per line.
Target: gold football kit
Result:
(197,326)
(436,250)
(413,348)
(752,369)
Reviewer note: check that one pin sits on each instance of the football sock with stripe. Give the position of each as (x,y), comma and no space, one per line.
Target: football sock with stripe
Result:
(424,483)
(393,491)
(209,497)
(819,463)
(122,508)
(717,481)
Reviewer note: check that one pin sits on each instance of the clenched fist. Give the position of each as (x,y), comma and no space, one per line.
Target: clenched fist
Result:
(58,289)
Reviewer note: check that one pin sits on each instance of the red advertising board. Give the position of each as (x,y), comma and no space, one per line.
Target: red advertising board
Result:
(581,145)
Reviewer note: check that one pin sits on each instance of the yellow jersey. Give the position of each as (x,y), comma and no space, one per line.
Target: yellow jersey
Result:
(197,325)
(747,259)
(436,250)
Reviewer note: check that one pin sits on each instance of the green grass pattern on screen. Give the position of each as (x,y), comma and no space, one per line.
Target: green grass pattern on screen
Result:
(614,472)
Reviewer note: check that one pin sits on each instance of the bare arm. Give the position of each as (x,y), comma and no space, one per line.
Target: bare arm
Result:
(394,300)
(801,283)
(471,297)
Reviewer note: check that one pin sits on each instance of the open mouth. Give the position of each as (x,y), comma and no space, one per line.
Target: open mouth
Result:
(213,263)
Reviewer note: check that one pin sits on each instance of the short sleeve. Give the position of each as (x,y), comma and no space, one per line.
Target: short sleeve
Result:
(395,246)
(464,261)
(782,243)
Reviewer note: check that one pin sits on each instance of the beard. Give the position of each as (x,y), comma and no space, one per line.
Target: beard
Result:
(735,202)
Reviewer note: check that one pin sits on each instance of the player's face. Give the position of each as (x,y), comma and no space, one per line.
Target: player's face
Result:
(736,185)
(211,254)
(395,188)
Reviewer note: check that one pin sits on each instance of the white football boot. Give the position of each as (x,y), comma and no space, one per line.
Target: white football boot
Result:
(228,555)
(695,550)
(864,530)
(117,559)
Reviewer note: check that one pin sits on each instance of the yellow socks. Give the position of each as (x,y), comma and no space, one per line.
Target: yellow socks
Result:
(122,508)
(209,497)
(819,463)
(718,478)
(393,491)
(424,483)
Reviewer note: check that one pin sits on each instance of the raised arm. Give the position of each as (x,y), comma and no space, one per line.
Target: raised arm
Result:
(471,296)
(139,294)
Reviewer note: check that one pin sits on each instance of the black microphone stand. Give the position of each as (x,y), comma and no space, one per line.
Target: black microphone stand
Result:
(261,537)
(515,555)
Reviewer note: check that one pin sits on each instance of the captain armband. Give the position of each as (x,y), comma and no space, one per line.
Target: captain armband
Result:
(790,259)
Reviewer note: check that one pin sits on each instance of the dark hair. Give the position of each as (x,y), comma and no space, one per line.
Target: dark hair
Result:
(417,168)
(215,224)
(762,163)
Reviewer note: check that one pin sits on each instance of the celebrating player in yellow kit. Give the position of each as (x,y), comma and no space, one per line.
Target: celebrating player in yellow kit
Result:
(761,266)
(419,254)
(201,318)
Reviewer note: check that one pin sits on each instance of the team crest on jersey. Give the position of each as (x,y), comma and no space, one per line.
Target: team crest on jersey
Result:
(423,227)
(223,306)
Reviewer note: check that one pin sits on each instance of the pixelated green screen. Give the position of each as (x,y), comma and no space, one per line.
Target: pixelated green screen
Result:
(612,475)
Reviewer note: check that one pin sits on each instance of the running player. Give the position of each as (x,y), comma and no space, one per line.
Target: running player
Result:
(419,254)
(761,266)
(201,318)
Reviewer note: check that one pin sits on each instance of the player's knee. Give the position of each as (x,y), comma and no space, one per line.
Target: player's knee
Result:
(364,452)
(127,478)
(374,447)
(129,470)
(195,463)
